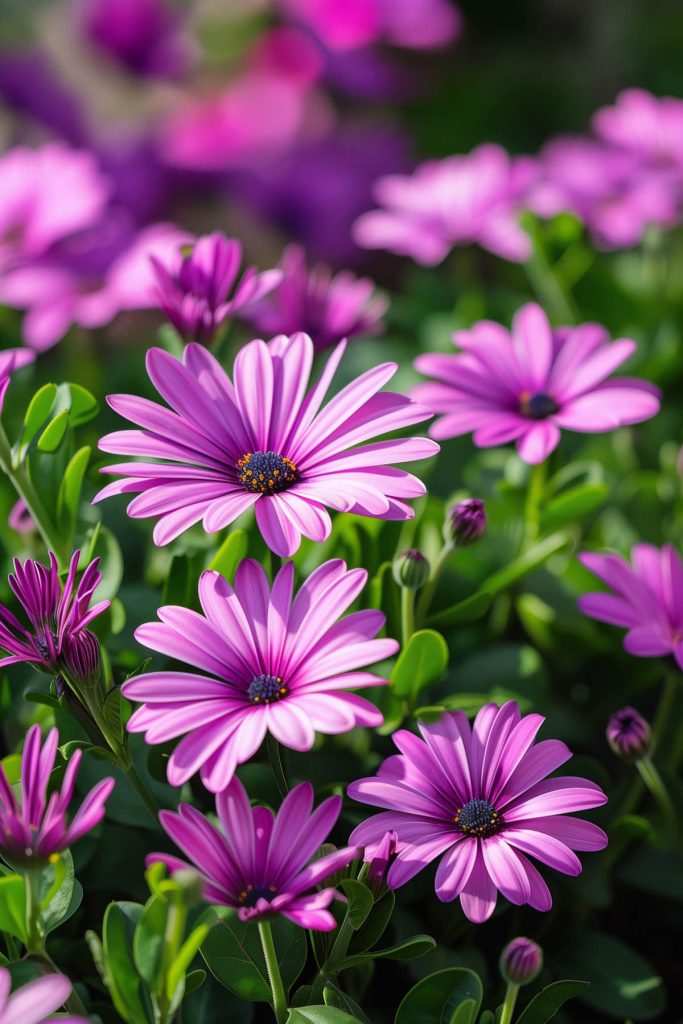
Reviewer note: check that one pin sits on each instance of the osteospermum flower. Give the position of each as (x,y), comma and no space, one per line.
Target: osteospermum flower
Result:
(199,290)
(55,612)
(526,384)
(34,826)
(264,443)
(463,200)
(260,863)
(275,664)
(650,127)
(30,1003)
(646,599)
(480,796)
(327,307)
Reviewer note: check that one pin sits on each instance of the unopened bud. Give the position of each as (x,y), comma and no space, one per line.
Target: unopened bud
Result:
(382,858)
(191,883)
(81,654)
(521,961)
(411,569)
(465,522)
(629,735)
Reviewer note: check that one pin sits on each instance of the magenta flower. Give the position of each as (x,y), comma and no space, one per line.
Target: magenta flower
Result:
(33,826)
(55,613)
(12,359)
(327,307)
(415,24)
(30,1003)
(648,126)
(479,795)
(260,864)
(609,189)
(646,599)
(264,443)
(463,200)
(526,384)
(275,665)
(48,194)
(194,289)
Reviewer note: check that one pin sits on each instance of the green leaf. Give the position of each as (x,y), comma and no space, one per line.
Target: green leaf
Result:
(148,941)
(233,954)
(182,961)
(13,906)
(468,610)
(409,949)
(230,554)
(37,413)
(66,901)
(116,711)
(39,697)
(487,1017)
(573,504)
(11,765)
(106,547)
(320,1015)
(526,563)
(83,405)
(53,434)
(70,490)
(375,924)
(422,661)
(122,979)
(545,1005)
(194,980)
(360,903)
(622,983)
(436,998)
(466,1013)
(334,996)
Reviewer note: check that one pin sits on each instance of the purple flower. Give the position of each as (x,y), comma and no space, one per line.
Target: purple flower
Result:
(629,735)
(466,521)
(193,291)
(145,36)
(33,826)
(521,961)
(646,599)
(415,24)
(275,665)
(610,190)
(264,443)
(462,200)
(479,795)
(30,1003)
(526,384)
(259,863)
(382,859)
(20,519)
(648,126)
(12,359)
(326,307)
(55,613)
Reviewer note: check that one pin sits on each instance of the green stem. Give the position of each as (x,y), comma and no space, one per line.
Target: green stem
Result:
(19,479)
(664,715)
(74,1003)
(547,286)
(654,782)
(407,614)
(277,767)
(532,508)
(273,968)
(427,593)
(509,1004)
(13,951)
(140,788)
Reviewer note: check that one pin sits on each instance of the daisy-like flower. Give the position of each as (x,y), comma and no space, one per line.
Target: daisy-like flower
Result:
(199,290)
(527,384)
(275,664)
(33,826)
(260,864)
(463,200)
(55,613)
(651,127)
(327,307)
(480,796)
(30,1003)
(646,599)
(264,443)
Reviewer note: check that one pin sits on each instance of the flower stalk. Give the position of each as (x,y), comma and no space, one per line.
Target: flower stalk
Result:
(274,977)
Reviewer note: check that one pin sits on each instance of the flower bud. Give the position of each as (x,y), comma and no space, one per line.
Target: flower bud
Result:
(411,569)
(191,883)
(81,655)
(629,735)
(380,861)
(521,961)
(465,522)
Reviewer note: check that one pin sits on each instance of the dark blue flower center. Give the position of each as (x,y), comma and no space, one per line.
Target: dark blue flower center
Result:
(266,472)
(266,689)
(537,406)
(477,818)
(251,894)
